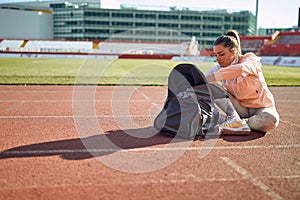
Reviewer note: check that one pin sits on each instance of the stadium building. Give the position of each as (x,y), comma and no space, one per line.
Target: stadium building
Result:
(94,20)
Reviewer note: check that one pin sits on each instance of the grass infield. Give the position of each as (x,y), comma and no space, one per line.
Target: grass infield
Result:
(44,71)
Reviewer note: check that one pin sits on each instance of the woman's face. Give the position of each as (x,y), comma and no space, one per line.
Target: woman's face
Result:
(223,55)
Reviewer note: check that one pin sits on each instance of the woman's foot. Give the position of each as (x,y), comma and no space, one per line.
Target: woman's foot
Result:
(234,126)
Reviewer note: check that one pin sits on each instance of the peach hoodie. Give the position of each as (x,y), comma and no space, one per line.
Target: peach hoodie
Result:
(245,81)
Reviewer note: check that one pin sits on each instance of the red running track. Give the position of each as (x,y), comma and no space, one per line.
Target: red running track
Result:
(85,142)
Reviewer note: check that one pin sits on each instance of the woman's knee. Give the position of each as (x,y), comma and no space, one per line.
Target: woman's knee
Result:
(263,122)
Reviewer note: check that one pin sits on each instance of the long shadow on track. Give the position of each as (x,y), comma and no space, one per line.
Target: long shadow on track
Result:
(75,149)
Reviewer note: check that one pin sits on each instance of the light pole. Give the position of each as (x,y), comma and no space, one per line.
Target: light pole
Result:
(256,16)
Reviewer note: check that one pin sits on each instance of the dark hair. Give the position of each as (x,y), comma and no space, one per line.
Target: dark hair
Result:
(230,40)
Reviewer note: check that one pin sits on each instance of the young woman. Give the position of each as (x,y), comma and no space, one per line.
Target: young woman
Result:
(242,78)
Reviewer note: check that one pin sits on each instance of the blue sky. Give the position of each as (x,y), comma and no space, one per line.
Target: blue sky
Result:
(271,13)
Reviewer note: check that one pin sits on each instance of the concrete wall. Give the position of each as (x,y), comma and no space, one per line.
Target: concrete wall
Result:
(25,24)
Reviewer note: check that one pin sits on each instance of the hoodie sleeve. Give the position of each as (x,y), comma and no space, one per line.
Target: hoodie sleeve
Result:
(212,70)
(250,64)
(210,77)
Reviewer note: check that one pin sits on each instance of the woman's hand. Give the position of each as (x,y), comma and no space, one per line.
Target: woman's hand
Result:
(211,78)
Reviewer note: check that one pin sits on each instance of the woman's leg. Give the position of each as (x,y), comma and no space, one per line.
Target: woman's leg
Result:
(222,101)
(230,121)
(226,106)
(264,119)
(241,110)
(260,119)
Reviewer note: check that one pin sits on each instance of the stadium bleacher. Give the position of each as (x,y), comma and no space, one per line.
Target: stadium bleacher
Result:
(58,46)
(141,48)
(279,44)
(253,44)
(46,46)
(288,39)
(285,44)
(10,45)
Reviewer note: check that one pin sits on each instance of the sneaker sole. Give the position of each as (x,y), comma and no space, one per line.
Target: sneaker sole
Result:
(228,131)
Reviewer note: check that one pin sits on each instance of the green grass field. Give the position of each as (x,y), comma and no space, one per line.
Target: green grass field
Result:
(110,72)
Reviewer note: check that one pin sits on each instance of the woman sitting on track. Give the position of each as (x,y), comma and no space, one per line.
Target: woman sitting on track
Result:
(243,80)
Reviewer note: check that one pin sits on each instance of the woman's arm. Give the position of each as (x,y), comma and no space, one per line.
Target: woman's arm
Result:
(250,64)
(210,74)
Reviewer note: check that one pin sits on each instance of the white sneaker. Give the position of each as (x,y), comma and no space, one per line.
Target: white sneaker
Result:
(235,127)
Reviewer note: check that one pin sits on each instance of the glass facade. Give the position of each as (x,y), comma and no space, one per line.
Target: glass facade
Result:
(85,23)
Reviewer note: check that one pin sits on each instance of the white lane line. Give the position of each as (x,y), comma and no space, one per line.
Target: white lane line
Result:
(290,115)
(141,149)
(286,106)
(15,107)
(80,100)
(283,177)
(289,123)
(156,105)
(71,91)
(117,184)
(143,95)
(55,91)
(254,180)
(35,91)
(73,116)
(286,101)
